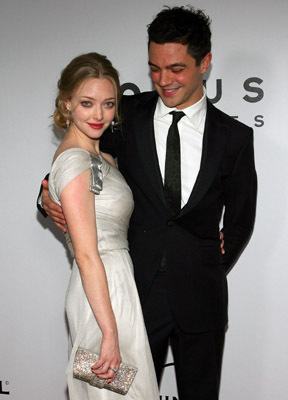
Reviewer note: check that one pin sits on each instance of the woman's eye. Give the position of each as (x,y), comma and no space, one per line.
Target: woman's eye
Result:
(110,104)
(86,103)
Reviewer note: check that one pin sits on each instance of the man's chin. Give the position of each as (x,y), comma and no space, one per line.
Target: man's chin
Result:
(170,102)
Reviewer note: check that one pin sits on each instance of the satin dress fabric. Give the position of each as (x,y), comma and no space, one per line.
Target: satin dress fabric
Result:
(113,208)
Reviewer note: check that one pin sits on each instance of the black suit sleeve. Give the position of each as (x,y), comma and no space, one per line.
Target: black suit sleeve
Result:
(107,142)
(40,208)
(240,190)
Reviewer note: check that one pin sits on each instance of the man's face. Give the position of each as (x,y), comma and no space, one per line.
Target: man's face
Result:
(175,75)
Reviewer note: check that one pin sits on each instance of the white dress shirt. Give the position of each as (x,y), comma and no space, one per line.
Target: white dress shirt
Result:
(191,129)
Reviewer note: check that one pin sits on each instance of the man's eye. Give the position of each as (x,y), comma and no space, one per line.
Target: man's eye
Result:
(177,70)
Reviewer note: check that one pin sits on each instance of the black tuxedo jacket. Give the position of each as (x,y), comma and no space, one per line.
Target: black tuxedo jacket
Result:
(196,270)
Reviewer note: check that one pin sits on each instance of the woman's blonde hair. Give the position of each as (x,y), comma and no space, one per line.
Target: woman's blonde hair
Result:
(85,66)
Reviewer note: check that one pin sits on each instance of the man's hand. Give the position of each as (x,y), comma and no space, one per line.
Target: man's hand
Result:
(222,242)
(52,209)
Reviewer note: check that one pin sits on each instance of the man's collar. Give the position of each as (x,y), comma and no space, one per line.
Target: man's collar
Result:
(194,113)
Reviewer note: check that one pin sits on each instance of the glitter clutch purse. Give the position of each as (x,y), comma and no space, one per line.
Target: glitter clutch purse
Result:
(83,361)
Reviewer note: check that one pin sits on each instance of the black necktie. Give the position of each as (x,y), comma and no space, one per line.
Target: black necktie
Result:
(172,179)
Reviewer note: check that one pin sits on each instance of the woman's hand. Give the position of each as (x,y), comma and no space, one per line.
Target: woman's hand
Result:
(109,360)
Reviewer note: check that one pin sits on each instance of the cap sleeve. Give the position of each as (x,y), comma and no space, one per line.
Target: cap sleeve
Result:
(69,165)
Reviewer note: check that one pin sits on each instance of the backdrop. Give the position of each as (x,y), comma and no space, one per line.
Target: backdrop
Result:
(248,80)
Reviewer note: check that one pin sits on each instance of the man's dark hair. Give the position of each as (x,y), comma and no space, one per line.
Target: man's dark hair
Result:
(184,25)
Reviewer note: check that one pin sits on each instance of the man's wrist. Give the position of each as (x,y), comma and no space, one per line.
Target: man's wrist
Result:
(39,200)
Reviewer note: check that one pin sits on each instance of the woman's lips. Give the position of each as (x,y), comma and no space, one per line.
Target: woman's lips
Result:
(96,126)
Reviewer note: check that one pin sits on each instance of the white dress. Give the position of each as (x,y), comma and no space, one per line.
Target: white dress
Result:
(113,207)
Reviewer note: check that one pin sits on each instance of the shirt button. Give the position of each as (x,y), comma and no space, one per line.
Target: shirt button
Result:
(170,223)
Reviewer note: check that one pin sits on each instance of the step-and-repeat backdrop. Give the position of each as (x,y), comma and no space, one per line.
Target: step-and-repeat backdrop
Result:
(247,79)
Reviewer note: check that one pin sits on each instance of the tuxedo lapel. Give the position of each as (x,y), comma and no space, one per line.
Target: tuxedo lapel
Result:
(145,141)
(214,139)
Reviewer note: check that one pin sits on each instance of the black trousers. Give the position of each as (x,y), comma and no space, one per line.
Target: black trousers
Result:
(197,356)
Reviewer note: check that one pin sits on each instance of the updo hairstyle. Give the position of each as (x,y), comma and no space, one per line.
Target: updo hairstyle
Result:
(85,66)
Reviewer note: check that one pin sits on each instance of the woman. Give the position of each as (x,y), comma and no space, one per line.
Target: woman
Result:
(102,304)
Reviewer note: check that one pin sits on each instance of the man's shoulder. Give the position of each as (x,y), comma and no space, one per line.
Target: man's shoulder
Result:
(222,118)
(141,97)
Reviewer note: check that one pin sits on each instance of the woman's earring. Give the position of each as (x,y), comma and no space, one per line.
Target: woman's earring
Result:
(68,120)
(112,126)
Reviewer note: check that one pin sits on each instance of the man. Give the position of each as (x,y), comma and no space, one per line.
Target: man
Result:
(180,270)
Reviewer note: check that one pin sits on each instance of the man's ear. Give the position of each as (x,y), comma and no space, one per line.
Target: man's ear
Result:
(205,63)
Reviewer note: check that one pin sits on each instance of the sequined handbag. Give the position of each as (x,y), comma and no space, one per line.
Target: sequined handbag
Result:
(83,361)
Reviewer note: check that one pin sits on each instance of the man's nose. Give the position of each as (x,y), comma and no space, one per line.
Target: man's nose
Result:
(165,78)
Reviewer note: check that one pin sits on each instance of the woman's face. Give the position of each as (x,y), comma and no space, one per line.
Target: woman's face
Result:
(92,107)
